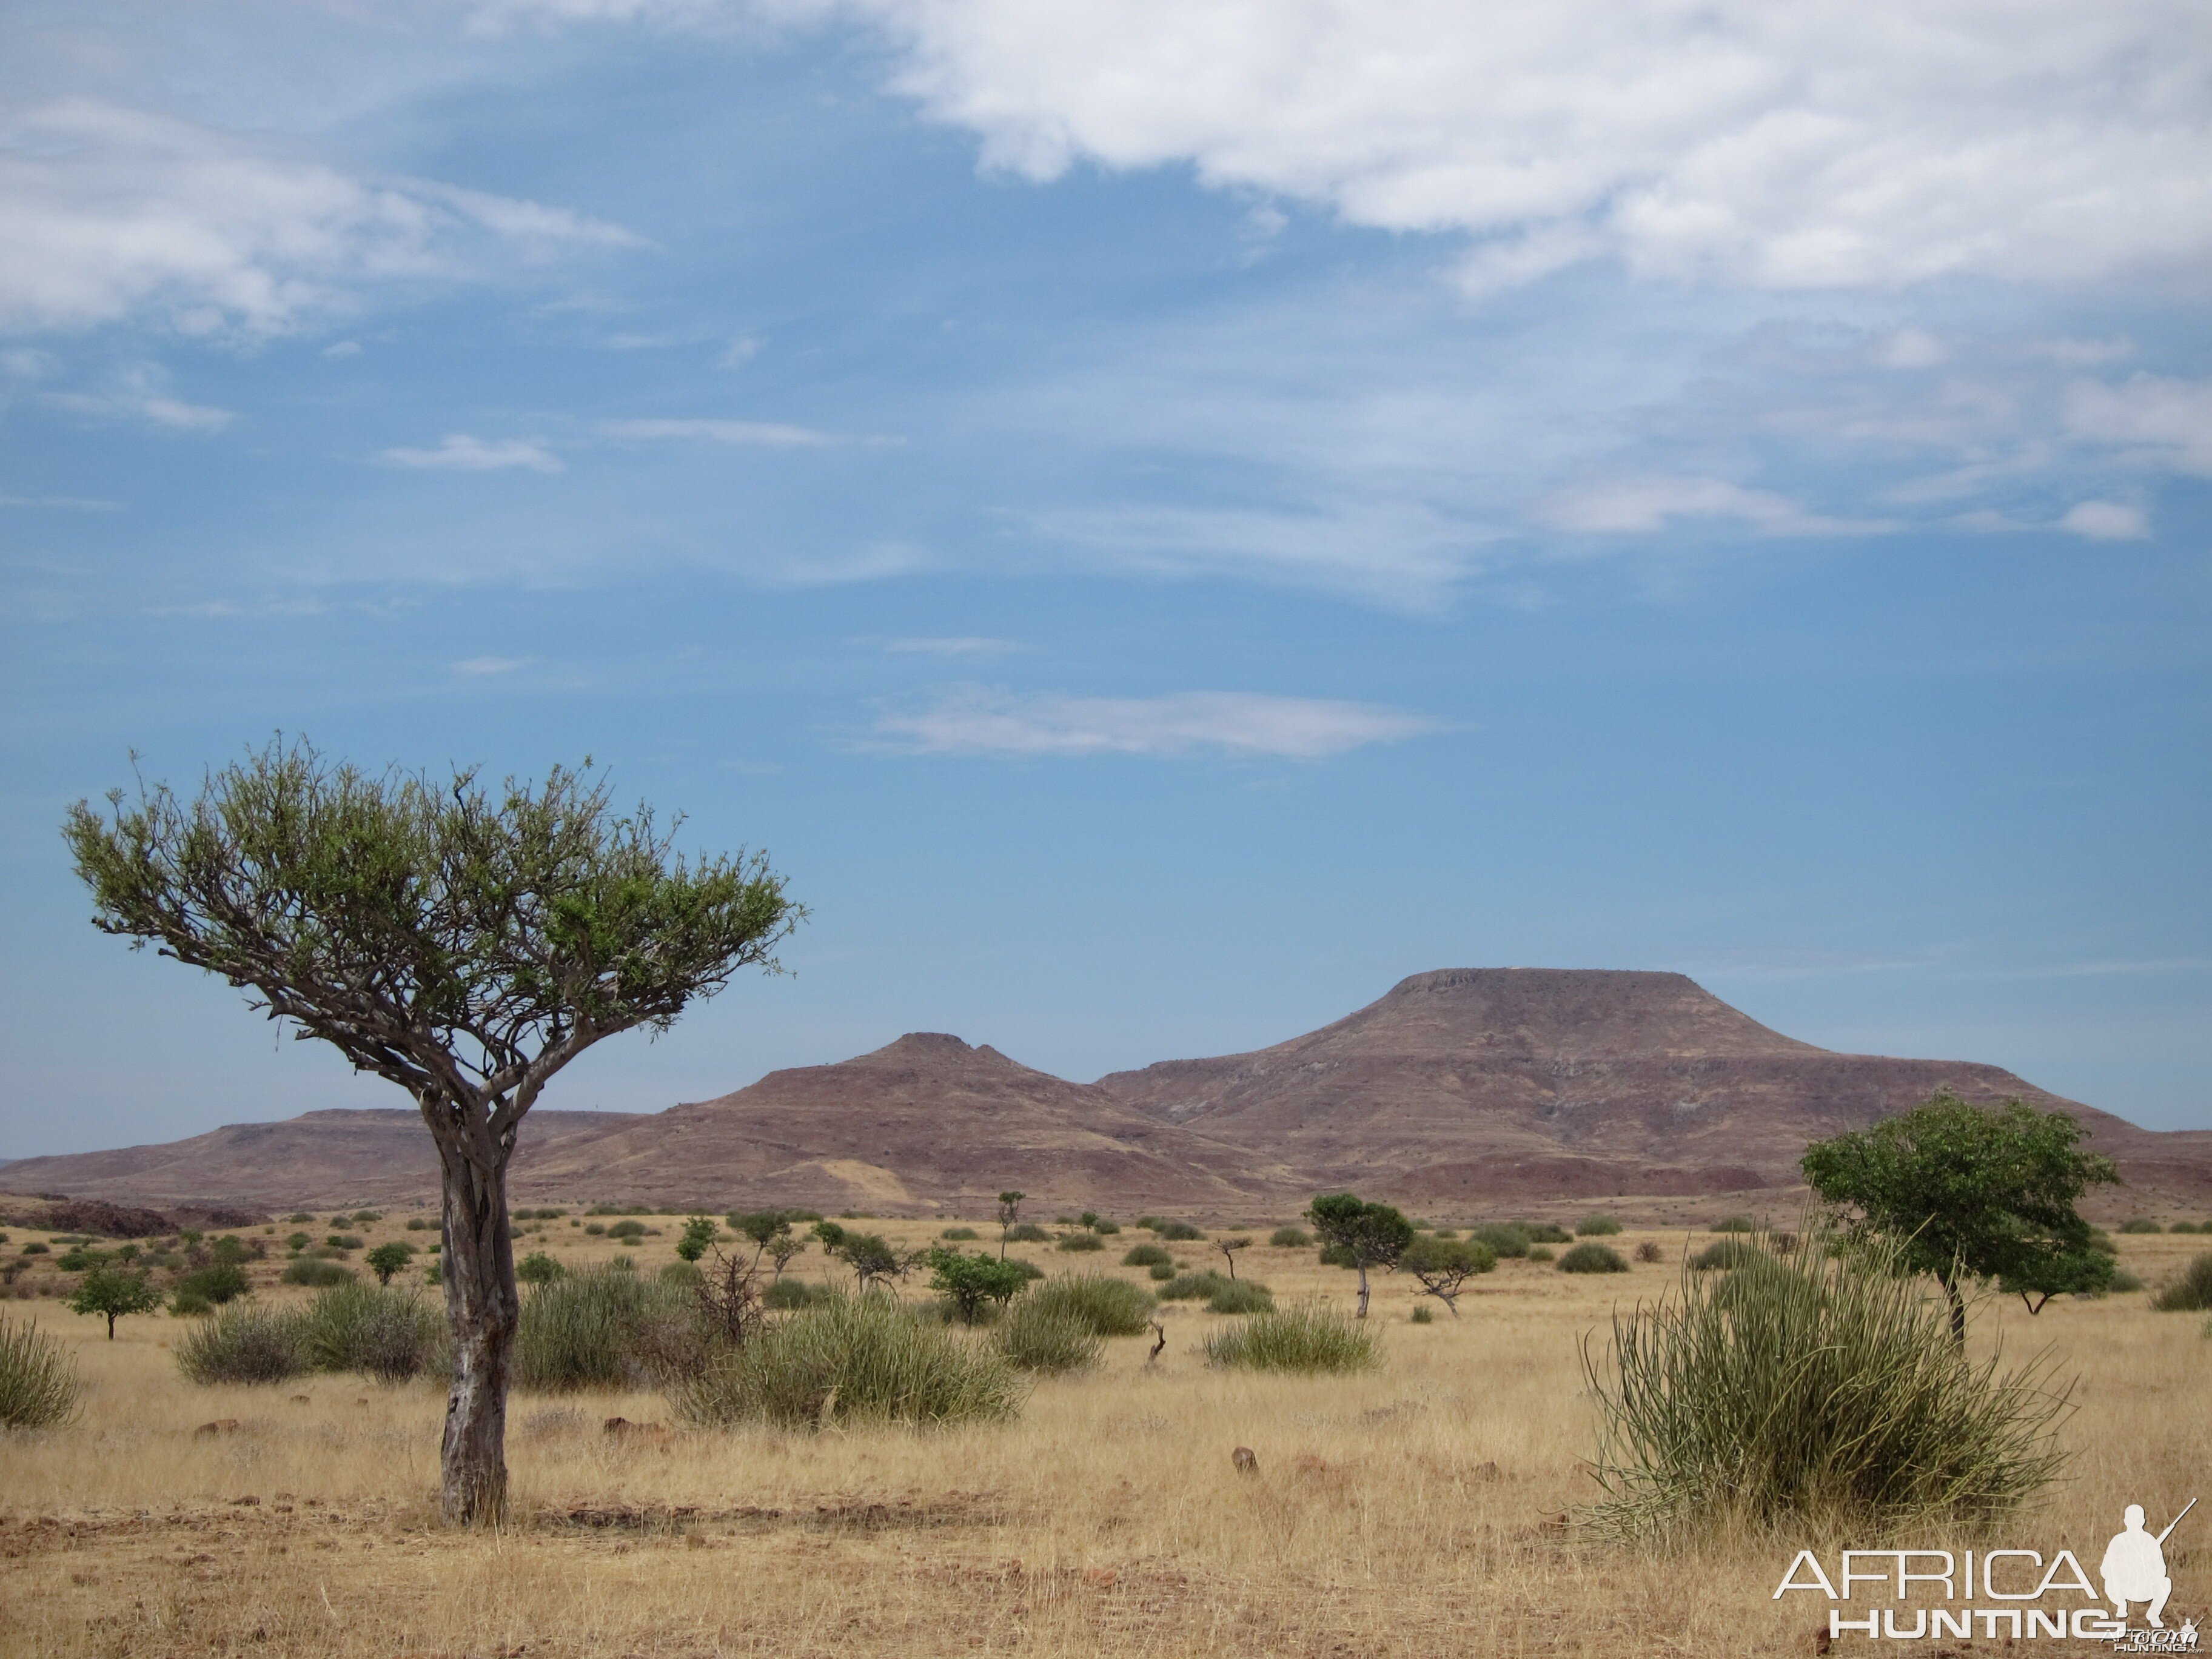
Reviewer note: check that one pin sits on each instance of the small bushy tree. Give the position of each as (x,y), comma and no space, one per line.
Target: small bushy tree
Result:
(1444,1265)
(1228,1247)
(1967,1194)
(1010,1211)
(968,1282)
(114,1292)
(1373,1235)
(699,1232)
(386,1260)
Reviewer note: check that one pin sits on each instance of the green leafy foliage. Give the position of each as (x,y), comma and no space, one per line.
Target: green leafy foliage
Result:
(1723,1254)
(699,1232)
(213,1286)
(2140,1223)
(1421,1315)
(386,1260)
(1503,1239)
(1967,1194)
(1146,1256)
(1177,1231)
(390,1335)
(787,1294)
(113,1293)
(308,1271)
(1734,1224)
(1104,1305)
(1596,1226)
(853,1359)
(1290,1238)
(1545,1232)
(1309,1337)
(538,1268)
(1026,1232)
(1084,1241)
(1443,1266)
(38,1384)
(1241,1295)
(1046,1339)
(1194,1286)
(1161,1273)
(1807,1389)
(1593,1258)
(607,1327)
(971,1281)
(958,1234)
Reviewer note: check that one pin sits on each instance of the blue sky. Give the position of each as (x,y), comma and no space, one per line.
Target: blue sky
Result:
(1163,518)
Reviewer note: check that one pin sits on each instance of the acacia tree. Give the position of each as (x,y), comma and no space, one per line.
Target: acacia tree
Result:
(1375,1234)
(464,943)
(1010,1211)
(1444,1265)
(114,1292)
(1228,1247)
(1968,1193)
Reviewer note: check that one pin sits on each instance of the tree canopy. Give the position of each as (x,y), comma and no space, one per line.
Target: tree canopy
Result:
(1969,1193)
(1373,1235)
(114,1292)
(465,942)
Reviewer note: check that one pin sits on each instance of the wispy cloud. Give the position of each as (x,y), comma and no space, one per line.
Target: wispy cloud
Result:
(140,391)
(962,646)
(774,434)
(1637,506)
(462,451)
(477,668)
(979,720)
(2106,521)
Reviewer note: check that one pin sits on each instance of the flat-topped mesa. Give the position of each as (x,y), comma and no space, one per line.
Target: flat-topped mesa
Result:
(1573,1014)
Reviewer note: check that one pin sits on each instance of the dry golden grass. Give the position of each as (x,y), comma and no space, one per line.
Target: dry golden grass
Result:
(1412,1511)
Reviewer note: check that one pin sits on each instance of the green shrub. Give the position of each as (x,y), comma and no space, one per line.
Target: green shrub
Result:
(785,1294)
(1146,1256)
(958,1234)
(1308,1337)
(1422,1315)
(1290,1238)
(972,1281)
(1082,1242)
(1027,1232)
(1504,1238)
(1037,1336)
(1593,1258)
(298,1216)
(79,1259)
(343,1241)
(1103,1227)
(1240,1296)
(1104,1305)
(1545,1232)
(853,1359)
(1339,1255)
(34,1248)
(215,1286)
(2184,1227)
(1539,1252)
(1181,1230)
(538,1268)
(243,1344)
(1724,1254)
(2140,1223)
(313,1271)
(1734,1224)
(1810,1390)
(2124,1281)
(390,1335)
(39,1385)
(1445,1233)
(605,1327)
(1193,1286)
(1161,1271)
(627,1230)
(2191,1292)
(297,1240)
(1596,1226)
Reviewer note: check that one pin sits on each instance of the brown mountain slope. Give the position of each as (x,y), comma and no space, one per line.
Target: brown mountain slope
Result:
(379,1156)
(925,1123)
(1531,1083)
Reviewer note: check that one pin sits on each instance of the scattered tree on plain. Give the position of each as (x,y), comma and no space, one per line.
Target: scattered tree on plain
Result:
(699,1232)
(870,1256)
(461,942)
(780,1251)
(386,1260)
(1444,1265)
(1969,1193)
(968,1281)
(112,1291)
(1371,1234)
(1228,1247)
(1010,1211)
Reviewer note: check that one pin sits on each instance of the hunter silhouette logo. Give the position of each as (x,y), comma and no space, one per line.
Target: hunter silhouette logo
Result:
(2024,1595)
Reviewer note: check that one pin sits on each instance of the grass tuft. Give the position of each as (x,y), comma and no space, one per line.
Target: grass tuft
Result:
(2191,1292)
(39,1385)
(243,1343)
(1105,1306)
(1308,1337)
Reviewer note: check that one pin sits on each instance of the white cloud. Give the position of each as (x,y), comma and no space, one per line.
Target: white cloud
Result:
(963,646)
(1640,507)
(769,434)
(140,392)
(741,351)
(462,452)
(2105,521)
(108,213)
(2161,421)
(475,668)
(343,349)
(974,721)
(1820,143)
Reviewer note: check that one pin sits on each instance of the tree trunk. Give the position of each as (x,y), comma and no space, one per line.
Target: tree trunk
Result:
(1362,1314)
(483,1309)
(1958,1311)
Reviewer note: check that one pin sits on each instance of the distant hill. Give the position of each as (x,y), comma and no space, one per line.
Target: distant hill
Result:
(1457,1092)
(377,1156)
(1526,1083)
(925,1123)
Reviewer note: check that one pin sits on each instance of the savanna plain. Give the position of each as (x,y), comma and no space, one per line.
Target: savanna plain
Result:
(1431,1506)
